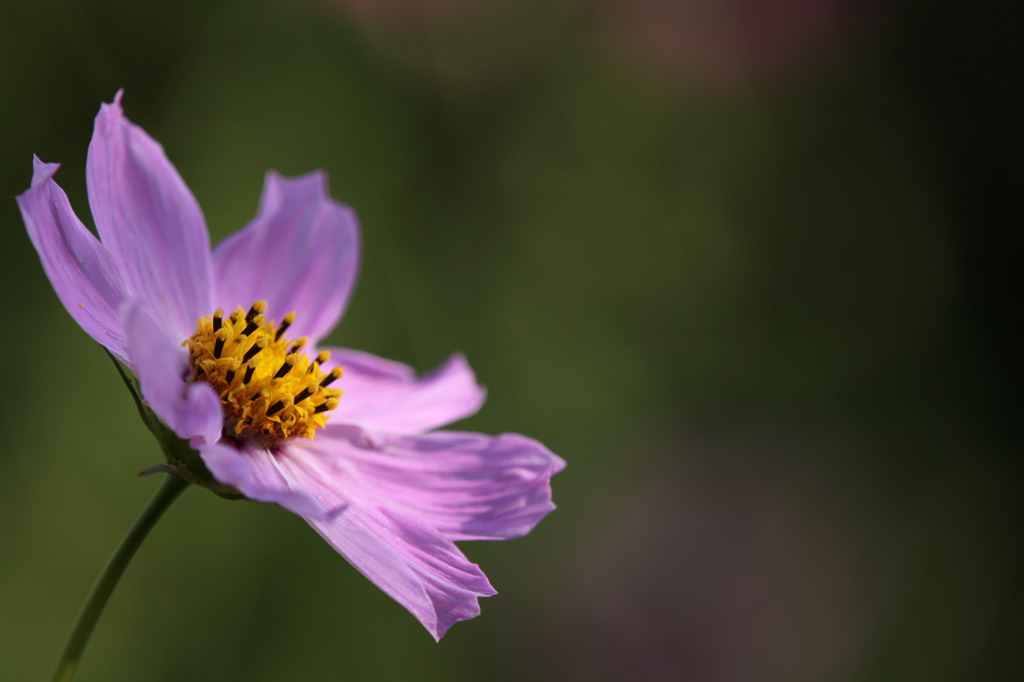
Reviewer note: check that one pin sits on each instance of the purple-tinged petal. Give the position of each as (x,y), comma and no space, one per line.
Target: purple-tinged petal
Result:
(257,475)
(149,221)
(300,253)
(80,269)
(467,486)
(383,396)
(417,566)
(191,410)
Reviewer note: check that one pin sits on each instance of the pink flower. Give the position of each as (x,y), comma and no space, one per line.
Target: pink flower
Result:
(225,348)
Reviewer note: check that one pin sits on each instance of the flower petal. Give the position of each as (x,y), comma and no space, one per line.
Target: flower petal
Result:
(256,474)
(149,221)
(301,254)
(191,410)
(417,566)
(384,396)
(467,486)
(80,269)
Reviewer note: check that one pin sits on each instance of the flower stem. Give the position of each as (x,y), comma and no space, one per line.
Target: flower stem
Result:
(105,584)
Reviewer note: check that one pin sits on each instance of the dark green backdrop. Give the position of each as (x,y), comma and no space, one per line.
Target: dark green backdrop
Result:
(746,266)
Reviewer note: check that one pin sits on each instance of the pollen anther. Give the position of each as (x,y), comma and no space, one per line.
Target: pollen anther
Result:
(250,364)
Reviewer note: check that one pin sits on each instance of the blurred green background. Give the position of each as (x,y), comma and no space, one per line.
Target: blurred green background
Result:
(746,265)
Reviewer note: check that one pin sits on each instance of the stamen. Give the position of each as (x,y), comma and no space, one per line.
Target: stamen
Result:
(331,378)
(257,308)
(306,392)
(285,368)
(255,323)
(218,347)
(270,403)
(322,357)
(259,345)
(329,404)
(288,321)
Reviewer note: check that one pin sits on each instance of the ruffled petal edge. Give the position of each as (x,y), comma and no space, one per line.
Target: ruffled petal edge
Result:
(383,396)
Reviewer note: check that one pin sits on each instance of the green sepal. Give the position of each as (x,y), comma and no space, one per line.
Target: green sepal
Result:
(182,459)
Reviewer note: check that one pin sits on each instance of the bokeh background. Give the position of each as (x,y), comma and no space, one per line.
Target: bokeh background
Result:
(747,265)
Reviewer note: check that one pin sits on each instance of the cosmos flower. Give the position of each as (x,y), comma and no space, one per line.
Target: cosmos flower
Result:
(225,347)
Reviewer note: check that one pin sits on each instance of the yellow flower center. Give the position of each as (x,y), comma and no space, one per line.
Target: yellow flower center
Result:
(270,389)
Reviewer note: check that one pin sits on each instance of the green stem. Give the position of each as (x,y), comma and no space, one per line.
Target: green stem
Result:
(105,584)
